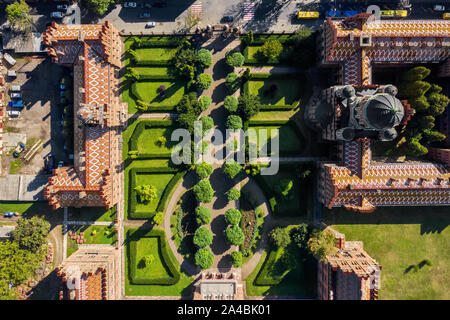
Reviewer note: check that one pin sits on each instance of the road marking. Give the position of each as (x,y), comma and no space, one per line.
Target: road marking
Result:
(249,11)
(197,8)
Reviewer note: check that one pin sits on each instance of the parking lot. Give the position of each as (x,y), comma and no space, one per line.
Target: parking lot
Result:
(41,115)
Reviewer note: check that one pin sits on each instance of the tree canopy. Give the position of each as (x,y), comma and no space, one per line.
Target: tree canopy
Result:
(203,191)
(99,6)
(31,233)
(322,243)
(18,15)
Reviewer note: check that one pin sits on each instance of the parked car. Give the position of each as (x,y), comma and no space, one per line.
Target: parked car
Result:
(150,24)
(15,95)
(387,13)
(160,5)
(62,7)
(307,15)
(129,4)
(438,7)
(340,14)
(146,5)
(144,15)
(13,113)
(446,15)
(57,14)
(10,214)
(60,164)
(401,13)
(19,149)
(228,19)
(15,88)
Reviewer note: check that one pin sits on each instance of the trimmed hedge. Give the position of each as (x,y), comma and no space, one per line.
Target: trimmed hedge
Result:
(143,77)
(139,129)
(267,122)
(167,260)
(162,202)
(265,277)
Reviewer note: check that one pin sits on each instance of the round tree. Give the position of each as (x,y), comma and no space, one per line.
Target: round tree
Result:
(203,170)
(202,237)
(232,169)
(232,81)
(234,235)
(271,49)
(236,259)
(203,191)
(248,105)
(204,258)
(234,122)
(233,216)
(146,193)
(204,81)
(231,103)
(280,237)
(233,194)
(205,58)
(235,59)
(207,123)
(205,102)
(202,215)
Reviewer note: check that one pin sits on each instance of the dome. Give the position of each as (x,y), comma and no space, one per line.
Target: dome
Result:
(383,111)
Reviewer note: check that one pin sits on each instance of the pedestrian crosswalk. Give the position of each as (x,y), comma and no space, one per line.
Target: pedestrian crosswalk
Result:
(249,11)
(196,8)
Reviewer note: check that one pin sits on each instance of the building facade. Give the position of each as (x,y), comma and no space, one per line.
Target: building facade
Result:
(94,52)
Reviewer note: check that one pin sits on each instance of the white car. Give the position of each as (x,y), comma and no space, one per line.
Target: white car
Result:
(61,7)
(150,24)
(130,4)
(438,7)
(15,95)
(13,113)
(57,14)
(60,164)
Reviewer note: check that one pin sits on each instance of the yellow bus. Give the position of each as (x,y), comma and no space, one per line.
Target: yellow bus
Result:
(446,15)
(401,13)
(387,13)
(307,15)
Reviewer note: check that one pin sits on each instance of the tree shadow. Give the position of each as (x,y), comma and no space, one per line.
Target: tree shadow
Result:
(219,244)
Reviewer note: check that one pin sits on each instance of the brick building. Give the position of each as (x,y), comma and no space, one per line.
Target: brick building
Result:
(94,52)
(359,112)
(349,274)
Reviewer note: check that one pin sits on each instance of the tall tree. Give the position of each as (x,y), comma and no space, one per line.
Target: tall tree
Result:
(31,234)
(99,6)
(18,15)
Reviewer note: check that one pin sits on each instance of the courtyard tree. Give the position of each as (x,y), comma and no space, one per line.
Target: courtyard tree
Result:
(300,235)
(280,237)
(18,15)
(233,216)
(202,237)
(204,258)
(271,49)
(161,141)
(321,244)
(146,193)
(203,191)
(235,59)
(236,259)
(207,124)
(147,260)
(158,218)
(203,170)
(202,215)
(185,61)
(205,58)
(234,122)
(232,81)
(99,6)
(233,194)
(204,81)
(232,168)
(188,109)
(234,235)
(248,105)
(205,102)
(230,103)
(31,233)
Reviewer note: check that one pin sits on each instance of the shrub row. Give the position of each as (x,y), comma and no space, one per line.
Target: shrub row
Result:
(265,276)
(170,188)
(165,255)
(261,76)
(156,77)
(268,122)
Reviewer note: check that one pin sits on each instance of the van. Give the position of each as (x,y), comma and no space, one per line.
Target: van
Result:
(15,88)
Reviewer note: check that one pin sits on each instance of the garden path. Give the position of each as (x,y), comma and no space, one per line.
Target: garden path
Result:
(268,69)
(153,116)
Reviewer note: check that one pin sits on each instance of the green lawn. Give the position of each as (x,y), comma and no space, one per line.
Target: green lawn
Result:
(94,234)
(149,246)
(148,140)
(152,71)
(288,91)
(148,91)
(156,54)
(289,141)
(181,288)
(92,214)
(399,238)
(274,115)
(159,181)
(298,281)
(28,208)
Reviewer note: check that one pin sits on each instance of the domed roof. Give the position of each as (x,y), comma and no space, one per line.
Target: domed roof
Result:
(383,111)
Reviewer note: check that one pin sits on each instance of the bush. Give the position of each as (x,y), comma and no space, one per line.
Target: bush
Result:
(232,81)
(202,237)
(284,187)
(231,104)
(322,244)
(204,258)
(279,237)
(202,215)
(203,170)
(233,194)
(248,105)
(204,81)
(158,218)
(236,259)
(234,235)
(232,169)
(233,216)
(271,49)
(207,124)
(30,234)
(205,58)
(300,235)
(235,59)
(253,169)
(205,102)
(234,122)
(203,191)
(146,193)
